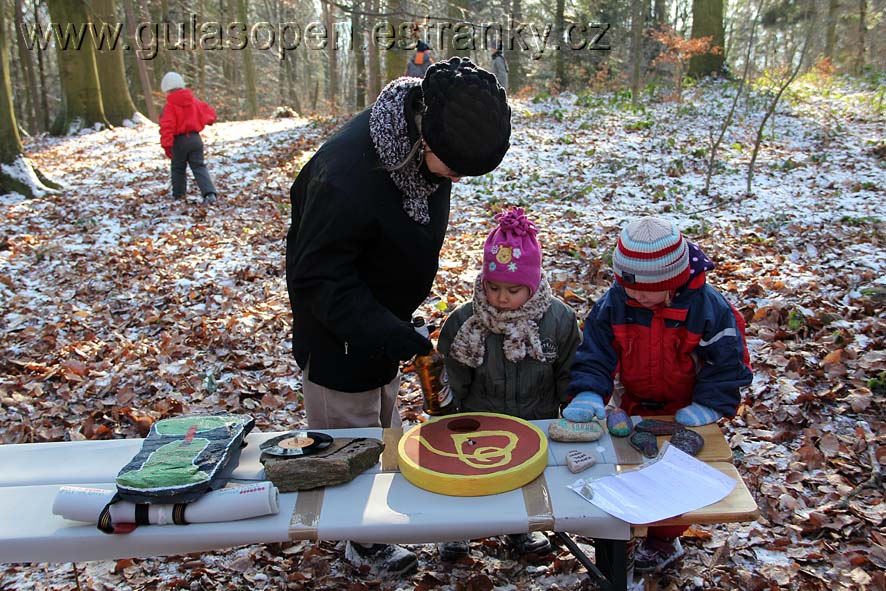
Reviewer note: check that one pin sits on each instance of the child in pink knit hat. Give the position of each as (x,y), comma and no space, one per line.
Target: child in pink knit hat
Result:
(509,350)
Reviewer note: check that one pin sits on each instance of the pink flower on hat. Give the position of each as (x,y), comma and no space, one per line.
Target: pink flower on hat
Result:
(512,253)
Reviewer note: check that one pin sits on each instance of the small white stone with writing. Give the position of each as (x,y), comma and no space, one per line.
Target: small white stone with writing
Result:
(577,461)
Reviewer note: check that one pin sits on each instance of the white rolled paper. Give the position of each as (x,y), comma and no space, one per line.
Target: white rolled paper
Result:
(227,504)
(79,503)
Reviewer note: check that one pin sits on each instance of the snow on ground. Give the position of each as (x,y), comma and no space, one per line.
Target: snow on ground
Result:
(113,295)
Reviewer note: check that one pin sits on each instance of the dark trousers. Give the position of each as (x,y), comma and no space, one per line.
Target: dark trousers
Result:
(187,149)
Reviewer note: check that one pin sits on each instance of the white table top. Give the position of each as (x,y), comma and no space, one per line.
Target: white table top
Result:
(377,506)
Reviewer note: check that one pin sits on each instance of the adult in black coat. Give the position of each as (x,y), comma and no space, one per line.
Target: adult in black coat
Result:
(369,213)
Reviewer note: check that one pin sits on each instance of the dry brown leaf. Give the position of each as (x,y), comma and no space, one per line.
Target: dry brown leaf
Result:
(833,357)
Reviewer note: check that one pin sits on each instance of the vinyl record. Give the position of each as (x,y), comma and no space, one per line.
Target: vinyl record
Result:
(296,444)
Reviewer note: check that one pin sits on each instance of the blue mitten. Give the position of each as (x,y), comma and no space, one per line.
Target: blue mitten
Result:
(584,408)
(696,415)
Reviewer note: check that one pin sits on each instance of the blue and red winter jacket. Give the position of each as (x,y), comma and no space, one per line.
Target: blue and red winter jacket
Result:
(692,350)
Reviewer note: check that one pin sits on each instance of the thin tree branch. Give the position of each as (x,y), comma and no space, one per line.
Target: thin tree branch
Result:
(728,121)
(772,106)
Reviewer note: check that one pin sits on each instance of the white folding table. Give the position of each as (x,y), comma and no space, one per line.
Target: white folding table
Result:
(379,505)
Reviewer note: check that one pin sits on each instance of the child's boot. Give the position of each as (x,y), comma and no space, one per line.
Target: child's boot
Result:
(535,542)
(453,551)
(383,559)
(653,554)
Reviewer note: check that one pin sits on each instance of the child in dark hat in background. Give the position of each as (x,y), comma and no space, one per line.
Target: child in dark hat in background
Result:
(369,214)
(183,118)
(509,350)
(418,65)
(673,342)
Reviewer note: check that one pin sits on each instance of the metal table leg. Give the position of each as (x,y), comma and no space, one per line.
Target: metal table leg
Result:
(612,555)
(612,558)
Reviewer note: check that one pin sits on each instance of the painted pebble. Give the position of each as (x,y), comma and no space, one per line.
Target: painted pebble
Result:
(687,441)
(657,427)
(618,422)
(645,443)
(577,461)
(564,430)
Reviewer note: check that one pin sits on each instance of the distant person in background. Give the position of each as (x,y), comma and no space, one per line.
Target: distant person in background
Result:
(420,62)
(500,66)
(182,120)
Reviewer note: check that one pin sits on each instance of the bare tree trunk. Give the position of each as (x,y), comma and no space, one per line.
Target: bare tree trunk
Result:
(290,63)
(636,47)
(707,21)
(357,33)
(16,174)
(141,66)
(660,13)
(27,62)
(514,55)
(116,99)
(559,28)
(315,94)
(41,71)
(395,57)
(831,32)
(248,66)
(331,59)
(862,36)
(81,93)
(374,59)
(201,56)
(161,62)
(229,58)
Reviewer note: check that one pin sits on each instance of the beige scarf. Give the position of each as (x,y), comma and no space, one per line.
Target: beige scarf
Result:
(519,327)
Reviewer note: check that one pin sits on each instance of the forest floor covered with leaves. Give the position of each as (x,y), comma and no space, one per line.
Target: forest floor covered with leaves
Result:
(120,306)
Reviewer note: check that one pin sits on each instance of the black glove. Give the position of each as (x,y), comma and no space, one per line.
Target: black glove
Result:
(404,344)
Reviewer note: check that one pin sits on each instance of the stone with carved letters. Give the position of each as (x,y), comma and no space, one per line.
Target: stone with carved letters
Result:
(578,461)
(563,430)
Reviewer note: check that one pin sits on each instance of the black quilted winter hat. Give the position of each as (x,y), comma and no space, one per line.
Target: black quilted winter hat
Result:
(467,121)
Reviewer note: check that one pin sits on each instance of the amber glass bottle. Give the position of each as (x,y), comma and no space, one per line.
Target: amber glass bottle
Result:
(432,376)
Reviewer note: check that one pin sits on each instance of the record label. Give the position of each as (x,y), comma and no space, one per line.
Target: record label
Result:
(296,444)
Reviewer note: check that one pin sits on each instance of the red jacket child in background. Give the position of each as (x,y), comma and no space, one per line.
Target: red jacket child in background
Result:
(181,122)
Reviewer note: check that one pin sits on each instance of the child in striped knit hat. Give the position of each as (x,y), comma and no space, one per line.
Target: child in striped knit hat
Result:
(673,342)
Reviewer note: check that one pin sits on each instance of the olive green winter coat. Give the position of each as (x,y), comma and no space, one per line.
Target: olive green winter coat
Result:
(529,389)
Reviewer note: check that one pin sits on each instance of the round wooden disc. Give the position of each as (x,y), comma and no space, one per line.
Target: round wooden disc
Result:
(473,454)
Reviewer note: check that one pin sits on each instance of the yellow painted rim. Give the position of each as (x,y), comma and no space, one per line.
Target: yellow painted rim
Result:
(479,484)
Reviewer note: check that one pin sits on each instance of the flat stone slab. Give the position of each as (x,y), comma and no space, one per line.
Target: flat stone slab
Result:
(658,427)
(341,462)
(564,430)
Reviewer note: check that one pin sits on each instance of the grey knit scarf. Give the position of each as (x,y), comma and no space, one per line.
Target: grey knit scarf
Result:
(390,136)
(519,327)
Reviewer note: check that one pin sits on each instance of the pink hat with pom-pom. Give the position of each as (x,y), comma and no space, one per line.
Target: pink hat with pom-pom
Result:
(512,253)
